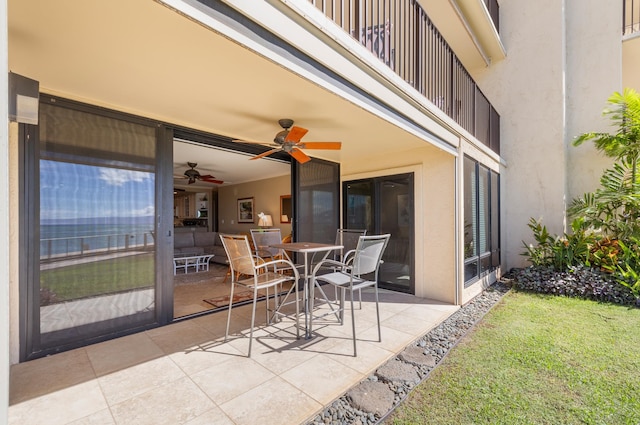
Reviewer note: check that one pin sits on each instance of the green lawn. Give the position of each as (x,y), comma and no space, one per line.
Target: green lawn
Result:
(537,360)
(99,277)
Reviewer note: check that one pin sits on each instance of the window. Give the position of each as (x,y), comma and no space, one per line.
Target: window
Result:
(481,220)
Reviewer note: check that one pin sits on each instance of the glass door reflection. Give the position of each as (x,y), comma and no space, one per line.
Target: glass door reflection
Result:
(385,205)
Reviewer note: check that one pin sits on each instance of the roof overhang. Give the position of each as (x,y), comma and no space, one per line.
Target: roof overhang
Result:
(179,63)
(469,30)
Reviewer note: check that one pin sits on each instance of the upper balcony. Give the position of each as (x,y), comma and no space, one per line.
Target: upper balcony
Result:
(403,36)
(631,43)
(630,17)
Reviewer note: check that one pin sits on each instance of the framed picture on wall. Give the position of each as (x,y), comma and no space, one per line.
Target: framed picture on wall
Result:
(245,210)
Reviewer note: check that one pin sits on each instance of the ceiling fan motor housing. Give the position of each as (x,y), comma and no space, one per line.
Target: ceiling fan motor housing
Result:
(286,124)
(192,174)
(279,139)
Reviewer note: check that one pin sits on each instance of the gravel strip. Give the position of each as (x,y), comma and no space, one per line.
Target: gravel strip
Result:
(422,356)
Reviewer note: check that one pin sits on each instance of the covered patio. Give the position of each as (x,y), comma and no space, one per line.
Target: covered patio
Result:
(185,373)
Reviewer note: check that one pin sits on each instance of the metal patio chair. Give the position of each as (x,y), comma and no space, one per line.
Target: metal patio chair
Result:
(251,272)
(348,238)
(361,271)
(262,241)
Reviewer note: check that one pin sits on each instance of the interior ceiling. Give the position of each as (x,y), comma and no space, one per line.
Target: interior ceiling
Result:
(231,167)
(144,58)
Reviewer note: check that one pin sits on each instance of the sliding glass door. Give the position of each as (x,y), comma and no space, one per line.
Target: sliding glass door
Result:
(385,205)
(93,269)
(316,206)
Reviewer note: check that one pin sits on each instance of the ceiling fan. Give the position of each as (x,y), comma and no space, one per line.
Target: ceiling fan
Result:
(192,174)
(289,141)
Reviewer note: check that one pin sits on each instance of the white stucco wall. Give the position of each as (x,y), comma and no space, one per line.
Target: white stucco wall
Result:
(4,220)
(563,61)
(594,72)
(434,191)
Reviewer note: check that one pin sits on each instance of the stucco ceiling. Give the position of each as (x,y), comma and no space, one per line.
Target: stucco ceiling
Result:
(144,58)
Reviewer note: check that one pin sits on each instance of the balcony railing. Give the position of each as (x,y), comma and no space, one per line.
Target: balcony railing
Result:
(401,35)
(630,16)
(55,249)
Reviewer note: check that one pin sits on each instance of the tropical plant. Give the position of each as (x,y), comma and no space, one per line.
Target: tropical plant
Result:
(624,145)
(604,254)
(606,223)
(628,273)
(561,253)
(614,208)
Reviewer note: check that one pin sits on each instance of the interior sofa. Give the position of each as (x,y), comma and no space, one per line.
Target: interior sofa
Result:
(198,243)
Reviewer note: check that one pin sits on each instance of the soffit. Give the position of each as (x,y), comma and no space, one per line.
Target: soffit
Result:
(144,58)
(468,30)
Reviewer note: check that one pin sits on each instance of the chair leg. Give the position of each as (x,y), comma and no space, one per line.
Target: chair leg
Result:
(343,291)
(227,275)
(326,299)
(295,288)
(378,314)
(353,325)
(226,333)
(266,303)
(253,318)
(310,312)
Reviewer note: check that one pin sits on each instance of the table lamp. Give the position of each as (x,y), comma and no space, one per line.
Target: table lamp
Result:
(265,220)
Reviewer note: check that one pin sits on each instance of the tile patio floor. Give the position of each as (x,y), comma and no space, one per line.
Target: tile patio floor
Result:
(185,374)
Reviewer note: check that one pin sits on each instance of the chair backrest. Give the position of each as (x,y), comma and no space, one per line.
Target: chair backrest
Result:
(369,254)
(239,253)
(348,238)
(263,239)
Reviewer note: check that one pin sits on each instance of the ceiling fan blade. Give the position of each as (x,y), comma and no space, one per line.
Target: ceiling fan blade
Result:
(320,145)
(300,156)
(295,134)
(211,179)
(265,153)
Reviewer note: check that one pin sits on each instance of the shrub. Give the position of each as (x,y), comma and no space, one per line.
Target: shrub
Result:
(560,253)
(628,268)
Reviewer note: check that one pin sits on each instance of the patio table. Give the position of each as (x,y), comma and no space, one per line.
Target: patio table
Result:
(306,248)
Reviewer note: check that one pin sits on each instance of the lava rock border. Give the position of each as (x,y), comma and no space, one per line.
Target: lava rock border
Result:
(371,401)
